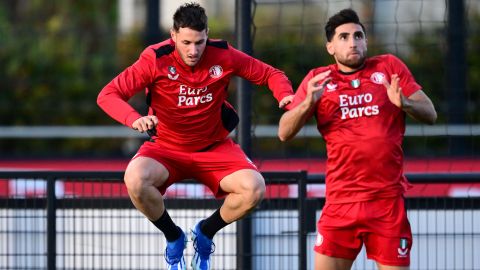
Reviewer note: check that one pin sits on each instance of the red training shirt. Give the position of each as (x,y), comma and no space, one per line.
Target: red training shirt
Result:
(190,102)
(362,129)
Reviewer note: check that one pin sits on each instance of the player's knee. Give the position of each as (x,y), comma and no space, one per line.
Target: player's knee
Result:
(254,193)
(258,195)
(137,181)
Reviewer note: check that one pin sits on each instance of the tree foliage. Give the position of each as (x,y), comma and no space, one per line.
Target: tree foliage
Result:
(57,55)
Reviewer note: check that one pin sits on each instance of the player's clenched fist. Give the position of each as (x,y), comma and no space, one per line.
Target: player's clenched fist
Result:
(145,123)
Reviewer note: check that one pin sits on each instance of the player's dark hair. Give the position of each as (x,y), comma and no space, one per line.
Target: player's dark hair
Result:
(344,16)
(190,15)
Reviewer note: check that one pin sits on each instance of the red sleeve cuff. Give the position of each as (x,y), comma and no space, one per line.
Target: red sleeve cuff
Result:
(131,118)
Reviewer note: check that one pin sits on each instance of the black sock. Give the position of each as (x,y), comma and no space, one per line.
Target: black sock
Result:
(166,225)
(212,224)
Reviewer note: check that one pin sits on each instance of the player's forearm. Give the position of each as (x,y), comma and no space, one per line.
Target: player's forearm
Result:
(292,121)
(260,73)
(280,85)
(421,110)
(110,102)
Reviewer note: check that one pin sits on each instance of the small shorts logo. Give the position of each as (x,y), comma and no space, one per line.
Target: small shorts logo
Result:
(216,71)
(319,241)
(377,77)
(403,249)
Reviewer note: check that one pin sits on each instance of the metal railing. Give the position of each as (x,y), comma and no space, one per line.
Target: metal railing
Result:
(259,131)
(79,220)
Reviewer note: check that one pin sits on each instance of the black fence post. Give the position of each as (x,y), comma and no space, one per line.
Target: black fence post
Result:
(244,88)
(243,22)
(456,72)
(302,220)
(51,224)
(152,28)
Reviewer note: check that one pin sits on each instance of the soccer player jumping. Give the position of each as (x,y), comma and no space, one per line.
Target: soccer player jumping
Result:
(186,79)
(360,105)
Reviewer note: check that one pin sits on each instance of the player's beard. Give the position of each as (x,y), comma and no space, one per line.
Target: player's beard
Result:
(354,63)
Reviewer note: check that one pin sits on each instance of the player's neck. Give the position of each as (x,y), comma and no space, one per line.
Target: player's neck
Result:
(346,70)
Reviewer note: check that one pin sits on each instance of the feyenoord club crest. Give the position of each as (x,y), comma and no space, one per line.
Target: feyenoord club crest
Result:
(172,75)
(377,77)
(355,83)
(216,71)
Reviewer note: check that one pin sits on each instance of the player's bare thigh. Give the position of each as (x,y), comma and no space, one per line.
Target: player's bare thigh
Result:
(245,189)
(145,171)
(324,262)
(241,181)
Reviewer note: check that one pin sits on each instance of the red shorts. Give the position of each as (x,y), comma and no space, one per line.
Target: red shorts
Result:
(208,167)
(382,225)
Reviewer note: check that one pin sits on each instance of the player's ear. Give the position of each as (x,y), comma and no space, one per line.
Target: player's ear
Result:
(173,35)
(329,46)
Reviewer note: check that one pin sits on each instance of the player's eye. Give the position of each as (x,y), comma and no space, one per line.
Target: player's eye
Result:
(359,36)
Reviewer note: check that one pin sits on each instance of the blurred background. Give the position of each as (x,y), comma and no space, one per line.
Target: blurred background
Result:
(55,57)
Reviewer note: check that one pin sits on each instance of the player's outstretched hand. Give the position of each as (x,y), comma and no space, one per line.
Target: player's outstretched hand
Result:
(316,86)
(285,101)
(394,91)
(145,123)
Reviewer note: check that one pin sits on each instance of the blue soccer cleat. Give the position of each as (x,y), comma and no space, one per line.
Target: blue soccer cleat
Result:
(174,253)
(204,247)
